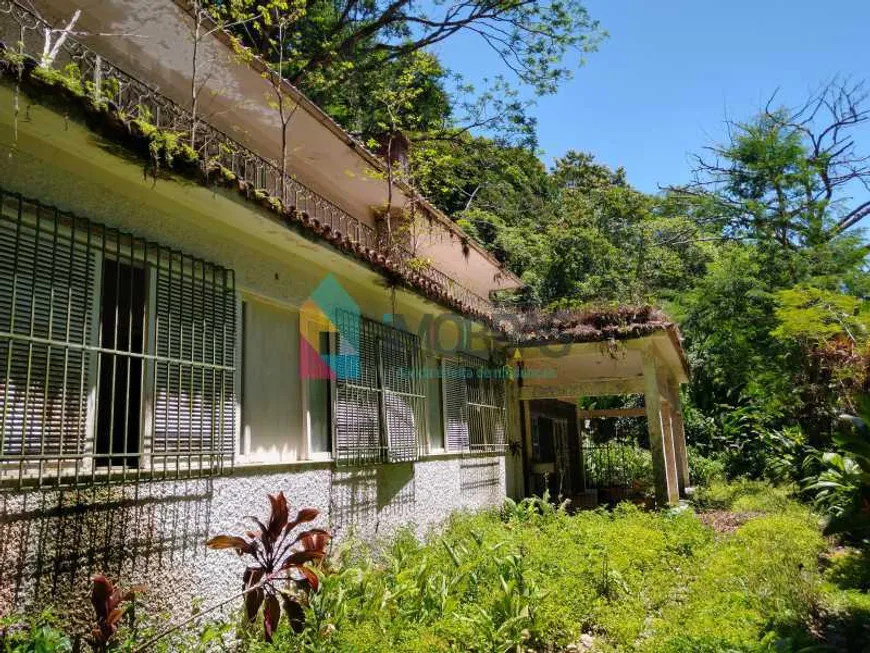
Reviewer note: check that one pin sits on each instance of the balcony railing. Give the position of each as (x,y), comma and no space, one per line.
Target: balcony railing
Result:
(23,32)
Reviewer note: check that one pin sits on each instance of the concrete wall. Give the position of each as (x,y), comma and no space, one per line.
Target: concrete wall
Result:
(153,533)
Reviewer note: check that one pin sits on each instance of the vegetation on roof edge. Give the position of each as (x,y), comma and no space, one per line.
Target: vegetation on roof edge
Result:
(166,152)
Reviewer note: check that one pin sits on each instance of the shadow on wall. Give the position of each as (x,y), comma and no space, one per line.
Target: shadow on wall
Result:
(480,474)
(371,502)
(53,541)
(480,481)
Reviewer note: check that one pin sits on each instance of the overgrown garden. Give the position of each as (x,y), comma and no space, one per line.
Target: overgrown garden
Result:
(749,572)
(761,260)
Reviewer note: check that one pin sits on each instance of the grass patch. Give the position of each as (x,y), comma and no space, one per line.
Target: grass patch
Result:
(745,496)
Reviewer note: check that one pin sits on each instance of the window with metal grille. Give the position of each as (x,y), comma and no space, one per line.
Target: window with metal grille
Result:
(379,409)
(117,355)
(474,404)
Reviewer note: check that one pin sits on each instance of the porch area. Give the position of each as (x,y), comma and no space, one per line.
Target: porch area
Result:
(590,454)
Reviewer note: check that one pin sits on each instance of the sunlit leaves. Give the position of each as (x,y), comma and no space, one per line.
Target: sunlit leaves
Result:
(281,571)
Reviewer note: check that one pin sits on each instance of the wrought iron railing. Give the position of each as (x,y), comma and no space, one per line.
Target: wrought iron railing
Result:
(23,32)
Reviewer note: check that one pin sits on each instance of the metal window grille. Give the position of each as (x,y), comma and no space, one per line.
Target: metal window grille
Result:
(474,405)
(612,455)
(117,355)
(379,410)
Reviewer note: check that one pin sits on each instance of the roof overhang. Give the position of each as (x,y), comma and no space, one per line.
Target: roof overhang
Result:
(153,41)
(570,370)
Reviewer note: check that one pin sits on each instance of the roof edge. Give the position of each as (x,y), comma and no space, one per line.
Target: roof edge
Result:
(260,66)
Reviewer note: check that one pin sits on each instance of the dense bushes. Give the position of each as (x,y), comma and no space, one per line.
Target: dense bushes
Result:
(40,634)
(537,577)
(533,577)
(704,470)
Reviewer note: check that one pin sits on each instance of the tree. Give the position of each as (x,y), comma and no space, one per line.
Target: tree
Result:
(605,241)
(531,38)
(237,14)
(786,177)
(828,332)
(338,52)
(776,200)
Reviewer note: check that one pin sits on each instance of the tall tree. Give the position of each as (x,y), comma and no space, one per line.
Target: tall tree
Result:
(531,38)
(785,195)
(789,176)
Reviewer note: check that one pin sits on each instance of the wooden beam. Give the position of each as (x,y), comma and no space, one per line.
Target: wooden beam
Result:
(611,412)
(591,388)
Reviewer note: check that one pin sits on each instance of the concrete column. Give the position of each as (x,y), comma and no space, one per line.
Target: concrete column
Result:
(527,447)
(670,447)
(679,438)
(666,494)
(581,431)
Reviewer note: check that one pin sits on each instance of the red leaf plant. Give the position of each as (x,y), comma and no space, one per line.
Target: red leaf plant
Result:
(108,602)
(279,557)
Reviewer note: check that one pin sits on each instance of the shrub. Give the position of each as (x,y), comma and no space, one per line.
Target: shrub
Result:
(744,496)
(278,573)
(704,470)
(110,606)
(842,488)
(751,591)
(619,464)
(41,634)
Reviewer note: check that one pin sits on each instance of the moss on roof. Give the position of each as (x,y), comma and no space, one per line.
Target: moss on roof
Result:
(592,323)
(166,155)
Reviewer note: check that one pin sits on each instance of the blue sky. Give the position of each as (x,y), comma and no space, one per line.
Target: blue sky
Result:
(661,86)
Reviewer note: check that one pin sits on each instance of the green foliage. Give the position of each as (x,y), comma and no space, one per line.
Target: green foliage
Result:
(775,329)
(815,315)
(744,496)
(536,577)
(41,634)
(841,489)
(337,45)
(704,470)
(69,78)
(619,464)
(749,593)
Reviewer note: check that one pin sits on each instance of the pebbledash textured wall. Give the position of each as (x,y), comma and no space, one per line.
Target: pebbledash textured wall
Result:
(153,533)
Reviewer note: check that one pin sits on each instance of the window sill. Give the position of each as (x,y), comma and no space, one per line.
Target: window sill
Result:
(253,468)
(447,455)
(441,455)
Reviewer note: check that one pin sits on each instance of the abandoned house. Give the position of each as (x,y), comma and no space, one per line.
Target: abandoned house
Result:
(187,323)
